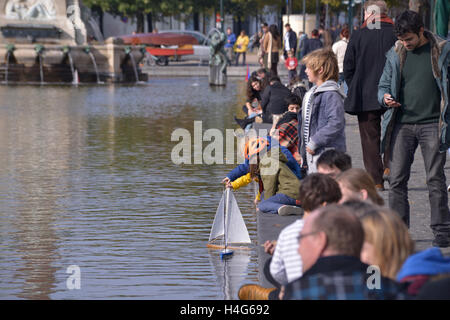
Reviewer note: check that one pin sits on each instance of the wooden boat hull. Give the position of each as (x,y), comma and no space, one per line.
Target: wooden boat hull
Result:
(159,39)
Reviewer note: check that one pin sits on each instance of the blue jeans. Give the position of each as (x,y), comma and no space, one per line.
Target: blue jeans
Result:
(405,140)
(341,82)
(238,54)
(250,125)
(272,204)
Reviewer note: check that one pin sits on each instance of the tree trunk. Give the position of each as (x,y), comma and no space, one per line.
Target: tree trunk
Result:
(99,12)
(204,22)
(149,22)
(140,23)
(196,21)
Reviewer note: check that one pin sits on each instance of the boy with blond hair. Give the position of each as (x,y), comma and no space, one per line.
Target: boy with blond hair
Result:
(322,118)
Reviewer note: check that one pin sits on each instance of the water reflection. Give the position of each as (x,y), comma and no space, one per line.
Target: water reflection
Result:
(230,272)
(86,179)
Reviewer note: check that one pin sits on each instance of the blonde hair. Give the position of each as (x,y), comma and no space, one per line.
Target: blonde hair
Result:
(323,58)
(390,238)
(356,180)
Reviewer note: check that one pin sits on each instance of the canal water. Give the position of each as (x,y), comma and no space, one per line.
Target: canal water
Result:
(88,189)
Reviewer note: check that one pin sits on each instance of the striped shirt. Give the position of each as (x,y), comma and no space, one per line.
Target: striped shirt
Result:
(309,98)
(286,265)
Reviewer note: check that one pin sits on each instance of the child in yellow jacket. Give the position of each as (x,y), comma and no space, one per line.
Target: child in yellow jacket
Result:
(240,47)
(242,182)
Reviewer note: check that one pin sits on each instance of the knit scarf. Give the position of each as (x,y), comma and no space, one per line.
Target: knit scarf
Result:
(269,56)
(287,117)
(377,17)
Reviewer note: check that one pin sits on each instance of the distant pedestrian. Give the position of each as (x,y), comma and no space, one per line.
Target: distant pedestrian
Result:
(260,55)
(231,39)
(291,64)
(326,37)
(272,46)
(310,45)
(274,99)
(414,88)
(256,42)
(290,41)
(339,49)
(240,47)
(300,44)
(363,66)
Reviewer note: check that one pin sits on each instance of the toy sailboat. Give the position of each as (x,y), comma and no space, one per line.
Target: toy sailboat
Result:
(228,227)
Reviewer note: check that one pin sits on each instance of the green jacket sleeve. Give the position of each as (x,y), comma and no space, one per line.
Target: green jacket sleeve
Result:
(441,15)
(385,83)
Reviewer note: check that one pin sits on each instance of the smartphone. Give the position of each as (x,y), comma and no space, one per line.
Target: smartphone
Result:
(390,98)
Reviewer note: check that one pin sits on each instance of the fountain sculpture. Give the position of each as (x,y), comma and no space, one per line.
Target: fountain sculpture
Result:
(46,41)
(218,59)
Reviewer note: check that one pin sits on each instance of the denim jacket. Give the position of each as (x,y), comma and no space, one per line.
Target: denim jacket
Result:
(327,122)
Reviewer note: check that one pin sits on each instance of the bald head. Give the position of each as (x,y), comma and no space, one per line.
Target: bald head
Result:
(344,232)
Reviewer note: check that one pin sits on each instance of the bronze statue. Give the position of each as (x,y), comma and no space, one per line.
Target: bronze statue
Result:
(218,60)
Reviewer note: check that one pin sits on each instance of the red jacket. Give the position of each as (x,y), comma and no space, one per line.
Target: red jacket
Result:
(291,62)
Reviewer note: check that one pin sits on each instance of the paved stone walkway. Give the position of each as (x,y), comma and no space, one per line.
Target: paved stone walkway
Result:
(196,69)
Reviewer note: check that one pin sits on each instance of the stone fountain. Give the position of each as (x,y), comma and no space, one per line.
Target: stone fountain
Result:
(52,41)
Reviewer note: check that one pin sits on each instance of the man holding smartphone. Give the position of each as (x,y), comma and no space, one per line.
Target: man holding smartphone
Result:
(414,88)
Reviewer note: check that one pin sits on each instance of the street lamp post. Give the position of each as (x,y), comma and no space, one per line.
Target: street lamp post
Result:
(317,14)
(304,16)
(221,16)
(350,15)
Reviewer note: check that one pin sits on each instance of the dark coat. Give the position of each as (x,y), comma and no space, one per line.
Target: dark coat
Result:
(292,42)
(311,45)
(363,65)
(273,101)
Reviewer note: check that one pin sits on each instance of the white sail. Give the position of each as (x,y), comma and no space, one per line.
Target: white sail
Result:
(217,229)
(234,226)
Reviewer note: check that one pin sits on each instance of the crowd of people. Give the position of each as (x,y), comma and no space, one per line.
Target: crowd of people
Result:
(397,78)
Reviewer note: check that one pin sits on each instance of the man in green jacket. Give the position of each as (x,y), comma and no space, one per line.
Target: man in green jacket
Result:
(414,87)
